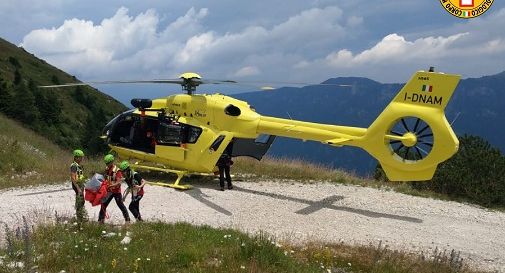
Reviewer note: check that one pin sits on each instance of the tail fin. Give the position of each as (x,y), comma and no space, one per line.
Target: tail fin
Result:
(412,136)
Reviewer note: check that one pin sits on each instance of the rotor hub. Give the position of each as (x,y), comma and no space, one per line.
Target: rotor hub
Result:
(190,81)
(409,139)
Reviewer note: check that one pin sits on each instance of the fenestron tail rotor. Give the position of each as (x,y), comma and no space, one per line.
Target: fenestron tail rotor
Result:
(416,139)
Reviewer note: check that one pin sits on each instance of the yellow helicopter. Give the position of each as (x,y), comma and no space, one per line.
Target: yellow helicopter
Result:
(187,133)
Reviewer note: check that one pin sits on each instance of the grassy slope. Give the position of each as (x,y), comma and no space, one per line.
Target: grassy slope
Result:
(74,114)
(27,158)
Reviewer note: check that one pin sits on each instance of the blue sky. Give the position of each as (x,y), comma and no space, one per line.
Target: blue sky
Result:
(300,41)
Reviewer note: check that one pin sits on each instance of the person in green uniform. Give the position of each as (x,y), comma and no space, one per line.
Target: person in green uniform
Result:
(77,179)
(136,185)
(114,176)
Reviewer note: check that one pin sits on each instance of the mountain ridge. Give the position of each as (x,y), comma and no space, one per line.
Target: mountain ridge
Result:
(71,117)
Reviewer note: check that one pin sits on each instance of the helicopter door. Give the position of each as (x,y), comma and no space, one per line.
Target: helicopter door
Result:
(255,148)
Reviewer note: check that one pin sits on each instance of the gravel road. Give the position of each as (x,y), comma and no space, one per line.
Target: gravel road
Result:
(299,212)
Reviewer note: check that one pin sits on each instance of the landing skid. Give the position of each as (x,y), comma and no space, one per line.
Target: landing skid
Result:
(175,185)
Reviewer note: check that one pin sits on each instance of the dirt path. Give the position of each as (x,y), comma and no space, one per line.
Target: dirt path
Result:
(297,213)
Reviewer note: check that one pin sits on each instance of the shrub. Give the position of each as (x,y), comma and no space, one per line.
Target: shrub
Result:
(475,174)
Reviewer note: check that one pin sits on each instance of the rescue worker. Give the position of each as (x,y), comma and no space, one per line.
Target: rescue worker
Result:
(224,163)
(77,179)
(113,175)
(135,186)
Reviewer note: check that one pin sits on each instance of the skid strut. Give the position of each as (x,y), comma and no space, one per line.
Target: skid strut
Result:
(175,185)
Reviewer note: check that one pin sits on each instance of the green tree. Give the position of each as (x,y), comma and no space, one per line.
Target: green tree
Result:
(14,62)
(47,103)
(23,105)
(90,137)
(79,95)
(17,77)
(53,112)
(55,80)
(33,86)
(49,107)
(476,173)
(5,98)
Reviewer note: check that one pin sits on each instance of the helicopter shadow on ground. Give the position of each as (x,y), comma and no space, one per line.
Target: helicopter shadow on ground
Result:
(197,193)
(313,206)
(327,203)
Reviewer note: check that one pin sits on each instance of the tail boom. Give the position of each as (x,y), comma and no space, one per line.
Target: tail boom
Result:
(410,153)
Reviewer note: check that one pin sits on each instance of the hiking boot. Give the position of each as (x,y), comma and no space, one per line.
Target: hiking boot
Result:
(230,186)
(221,189)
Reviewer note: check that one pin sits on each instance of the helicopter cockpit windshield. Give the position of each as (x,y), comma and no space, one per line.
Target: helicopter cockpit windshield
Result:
(107,130)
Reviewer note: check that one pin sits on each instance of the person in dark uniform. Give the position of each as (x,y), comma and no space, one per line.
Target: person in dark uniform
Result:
(224,163)
(77,179)
(113,175)
(135,186)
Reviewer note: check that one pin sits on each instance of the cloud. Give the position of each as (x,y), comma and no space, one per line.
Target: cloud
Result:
(394,48)
(184,27)
(128,46)
(472,48)
(310,45)
(247,71)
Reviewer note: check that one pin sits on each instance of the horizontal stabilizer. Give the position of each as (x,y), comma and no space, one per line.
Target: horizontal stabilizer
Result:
(337,141)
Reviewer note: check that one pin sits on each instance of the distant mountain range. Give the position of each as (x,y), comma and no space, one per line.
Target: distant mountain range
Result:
(477,108)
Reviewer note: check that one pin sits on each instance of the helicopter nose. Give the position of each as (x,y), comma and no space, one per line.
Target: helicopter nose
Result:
(105,133)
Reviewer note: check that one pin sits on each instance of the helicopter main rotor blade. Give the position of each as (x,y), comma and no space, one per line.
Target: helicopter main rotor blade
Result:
(175,81)
(267,85)
(217,81)
(292,83)
(63,85)
(196,81)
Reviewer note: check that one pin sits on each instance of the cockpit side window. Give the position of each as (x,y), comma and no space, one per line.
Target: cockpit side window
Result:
(169,134)
(192,133)
(175,133)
